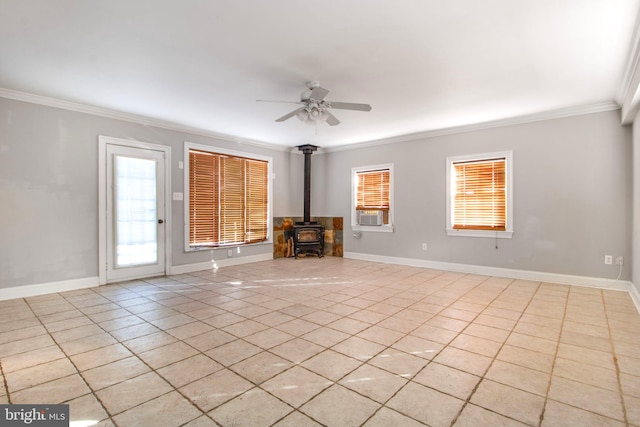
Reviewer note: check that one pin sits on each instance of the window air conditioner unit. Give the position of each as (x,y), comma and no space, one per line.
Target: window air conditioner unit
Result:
(370,217)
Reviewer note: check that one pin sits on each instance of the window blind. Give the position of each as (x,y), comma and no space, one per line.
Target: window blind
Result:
(203,196)
(228,199)
(480,195)
(373,190)
(257,200)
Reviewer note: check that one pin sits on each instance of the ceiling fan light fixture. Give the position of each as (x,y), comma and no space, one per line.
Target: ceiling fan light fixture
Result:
(302,115)
(315,114)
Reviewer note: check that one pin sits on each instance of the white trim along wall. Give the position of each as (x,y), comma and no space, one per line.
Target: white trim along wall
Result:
(535,276)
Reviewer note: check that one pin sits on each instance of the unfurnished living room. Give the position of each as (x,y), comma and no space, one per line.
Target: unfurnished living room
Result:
(339,213)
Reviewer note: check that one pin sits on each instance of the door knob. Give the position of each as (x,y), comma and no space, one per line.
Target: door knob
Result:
(160,221)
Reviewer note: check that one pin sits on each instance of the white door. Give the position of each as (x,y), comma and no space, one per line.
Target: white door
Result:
(135,212)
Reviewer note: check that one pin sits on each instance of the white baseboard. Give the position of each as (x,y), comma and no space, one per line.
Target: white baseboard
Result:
(90,282)
(225,262)
(635,296)
(539,276)
(47,288)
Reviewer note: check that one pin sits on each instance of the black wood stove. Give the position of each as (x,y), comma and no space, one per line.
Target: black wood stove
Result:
(308,236)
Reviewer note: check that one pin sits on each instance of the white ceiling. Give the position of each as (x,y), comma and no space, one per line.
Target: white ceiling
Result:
(423,65)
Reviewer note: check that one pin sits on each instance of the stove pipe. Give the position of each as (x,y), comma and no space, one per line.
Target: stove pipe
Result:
(307,150)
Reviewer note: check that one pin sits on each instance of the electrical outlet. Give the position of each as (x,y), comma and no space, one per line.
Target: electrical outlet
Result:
(230,252)
(620,260)
(608,259)
(424,246)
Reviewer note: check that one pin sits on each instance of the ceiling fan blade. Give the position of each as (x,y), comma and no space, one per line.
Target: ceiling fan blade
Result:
(318,93)
(350,106)
(288,116)
(281,102)
(331,119)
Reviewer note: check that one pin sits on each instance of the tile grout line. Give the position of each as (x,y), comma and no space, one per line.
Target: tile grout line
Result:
(444,347)
(228,367)
(78,371)
(596,386)
(333,383)
(615,359)
(5,384)
(482,378)
(294,364)
(429,361)
(403,290)
(384,404)
(362,363)
(122,342)
(134,353)
(93,392)
(555,356)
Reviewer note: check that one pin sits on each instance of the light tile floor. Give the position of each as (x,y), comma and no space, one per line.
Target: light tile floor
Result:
(331,342)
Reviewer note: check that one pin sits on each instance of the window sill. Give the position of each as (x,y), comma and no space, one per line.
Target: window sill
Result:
(226,247)
(480,233)
(374,228)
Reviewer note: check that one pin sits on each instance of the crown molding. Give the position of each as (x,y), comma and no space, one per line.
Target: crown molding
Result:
(129,117)
(529,118)
(628,96)
(164,124)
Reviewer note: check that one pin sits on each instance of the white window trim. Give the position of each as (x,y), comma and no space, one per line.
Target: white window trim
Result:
(386,228)
(508,233)
(193,146)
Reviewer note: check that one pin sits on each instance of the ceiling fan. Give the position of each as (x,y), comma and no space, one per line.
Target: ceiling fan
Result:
(315,109)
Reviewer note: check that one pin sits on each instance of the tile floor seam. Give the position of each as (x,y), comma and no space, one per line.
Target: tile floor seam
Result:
(333,382)
(452,288)
(78,371)
(174,388)
(303,403)
(615,360)
(434,356)
(336,382)
(134,354)
(483,376)
(256,385)
(5,385)
(555,357)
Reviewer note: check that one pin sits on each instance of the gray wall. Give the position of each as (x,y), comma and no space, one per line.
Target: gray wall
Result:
(49,190)
(572,196)
(572,180)
(635,230)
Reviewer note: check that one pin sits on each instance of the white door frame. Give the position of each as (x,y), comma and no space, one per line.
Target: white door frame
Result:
(103,141)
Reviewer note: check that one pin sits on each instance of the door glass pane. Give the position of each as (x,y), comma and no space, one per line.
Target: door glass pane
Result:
(136,212)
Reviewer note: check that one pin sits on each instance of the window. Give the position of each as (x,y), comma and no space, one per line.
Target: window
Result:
(372,197)
(227,197)
(479,195)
